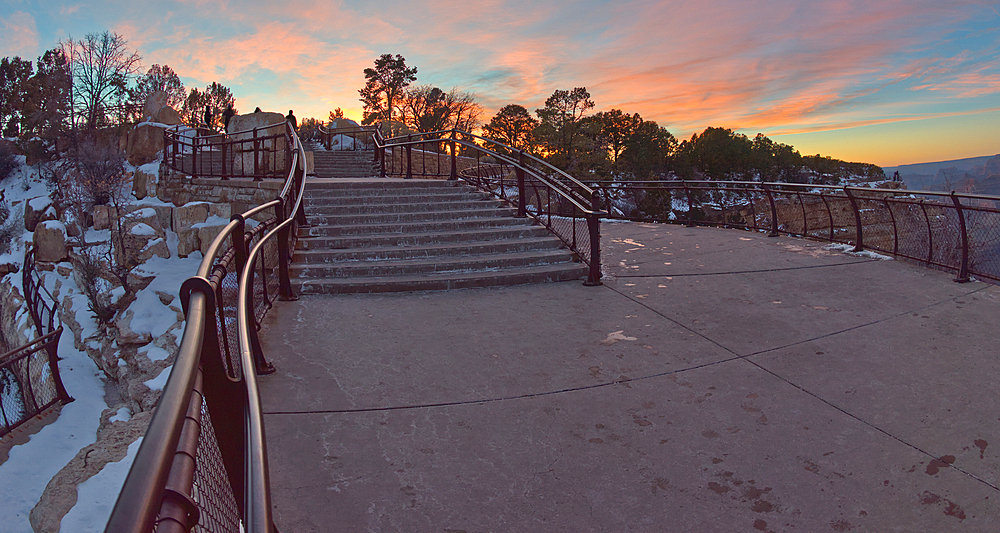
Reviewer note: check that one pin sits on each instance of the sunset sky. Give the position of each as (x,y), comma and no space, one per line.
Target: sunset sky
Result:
(881,81)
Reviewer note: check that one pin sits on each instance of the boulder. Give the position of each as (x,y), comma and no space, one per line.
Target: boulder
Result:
(187,241)
(169,116)
(157,247)
(189,214)
(49,239)
(207,233)
(154,103)
(102,217)
(145,142)
(8,268)
(38,209)
(147,216)
(272,158)
(143,184)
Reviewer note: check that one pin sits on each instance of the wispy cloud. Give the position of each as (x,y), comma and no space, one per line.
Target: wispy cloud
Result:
(20,35)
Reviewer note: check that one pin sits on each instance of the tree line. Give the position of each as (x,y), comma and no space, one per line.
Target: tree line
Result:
(91,84)
(606,145)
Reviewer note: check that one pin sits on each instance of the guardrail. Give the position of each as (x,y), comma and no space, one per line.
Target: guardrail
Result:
(202,463)
(29,375)
(336,139)
(555,199)
(259,153)
(950,231)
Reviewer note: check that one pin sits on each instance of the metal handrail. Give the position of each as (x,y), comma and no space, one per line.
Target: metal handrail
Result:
(188,153)
(159,486)
(560,189)
(37,395)
(953,231)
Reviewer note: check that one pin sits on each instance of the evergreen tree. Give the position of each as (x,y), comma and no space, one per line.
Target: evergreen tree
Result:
(513,126)
(216,97)
(383,87)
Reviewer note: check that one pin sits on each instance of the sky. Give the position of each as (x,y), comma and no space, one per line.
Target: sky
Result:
(888,82)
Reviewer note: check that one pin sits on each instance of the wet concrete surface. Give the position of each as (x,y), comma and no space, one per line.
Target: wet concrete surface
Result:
(718,381)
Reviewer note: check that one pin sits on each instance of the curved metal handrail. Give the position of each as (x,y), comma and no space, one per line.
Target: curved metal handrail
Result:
(160,479)
(952,231)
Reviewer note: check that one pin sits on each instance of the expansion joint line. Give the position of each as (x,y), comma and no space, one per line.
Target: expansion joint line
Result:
(730,273)
(802,388)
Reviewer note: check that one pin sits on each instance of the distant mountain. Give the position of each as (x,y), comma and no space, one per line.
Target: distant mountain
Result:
(980,175)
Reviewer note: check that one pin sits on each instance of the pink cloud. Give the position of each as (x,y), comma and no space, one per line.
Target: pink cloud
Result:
(20,35)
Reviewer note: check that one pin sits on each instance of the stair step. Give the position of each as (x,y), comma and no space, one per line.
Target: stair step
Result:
(443,281)
(369,253)
(473,263)
(373,218)
(419,239)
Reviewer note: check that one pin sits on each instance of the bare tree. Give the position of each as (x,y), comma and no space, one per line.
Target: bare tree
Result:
(102,67)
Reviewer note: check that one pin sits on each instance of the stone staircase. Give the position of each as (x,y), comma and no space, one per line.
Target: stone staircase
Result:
(342,163)
(386,235)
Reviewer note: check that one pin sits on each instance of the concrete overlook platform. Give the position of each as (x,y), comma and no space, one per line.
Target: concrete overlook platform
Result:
(720,381)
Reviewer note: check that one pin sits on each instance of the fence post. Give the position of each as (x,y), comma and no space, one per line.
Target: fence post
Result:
(774,211)
(687,192)
(859,246)
(194,156)
(409,158)
(521,200)
(454,159)
(963,271)
(285,292)
(594,227)
(256,157)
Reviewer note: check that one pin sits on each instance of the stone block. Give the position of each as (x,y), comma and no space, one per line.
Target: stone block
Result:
(145,142)
(156,247)
(154,103)
(188,215)
(169,116)
(38,209)
(187,241)
(49,239)
(207,234)
(102,217)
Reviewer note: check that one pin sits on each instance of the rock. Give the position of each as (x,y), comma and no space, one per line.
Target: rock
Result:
(207,234)
(157,247)
(272,159)
(145,142)
(37,210)
(102,217)
(189,214)
(221,210)
(169,116)
(154,103)
(147,216)
(8,268)
(187,241)
(49,239)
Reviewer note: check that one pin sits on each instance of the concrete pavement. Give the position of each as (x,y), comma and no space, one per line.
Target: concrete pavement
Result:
(720,381)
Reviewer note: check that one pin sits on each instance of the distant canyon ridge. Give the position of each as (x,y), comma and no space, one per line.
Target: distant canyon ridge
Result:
(975,175)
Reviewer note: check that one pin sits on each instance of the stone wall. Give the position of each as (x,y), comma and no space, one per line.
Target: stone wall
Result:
(240,194)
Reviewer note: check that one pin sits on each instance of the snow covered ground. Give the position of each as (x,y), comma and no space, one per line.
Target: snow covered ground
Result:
(30,466)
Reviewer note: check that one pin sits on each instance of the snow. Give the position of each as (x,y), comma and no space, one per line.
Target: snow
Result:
(849,249)
(143,230)
(154,353)
(32,465)
(123,415)
(93,506)
(159,381)
(40,203)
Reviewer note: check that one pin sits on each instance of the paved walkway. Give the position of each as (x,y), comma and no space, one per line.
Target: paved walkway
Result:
(720,381)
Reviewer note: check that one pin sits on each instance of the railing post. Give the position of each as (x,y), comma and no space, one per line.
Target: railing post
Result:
(454,159)
(194,156)
(687,192)
(409,158)
(963,271)
(521,200)
(859,245)
(594,227)
(381,159)
(285,292)
(256,156)
(774,211)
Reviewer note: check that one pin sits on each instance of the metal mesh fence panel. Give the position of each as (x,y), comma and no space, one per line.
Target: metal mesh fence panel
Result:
(984,242)
(212,490)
